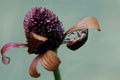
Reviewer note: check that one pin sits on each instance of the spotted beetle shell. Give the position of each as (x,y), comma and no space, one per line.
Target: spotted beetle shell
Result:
(78,41)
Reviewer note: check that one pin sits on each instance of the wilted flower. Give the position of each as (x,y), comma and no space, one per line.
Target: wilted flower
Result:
(44,34)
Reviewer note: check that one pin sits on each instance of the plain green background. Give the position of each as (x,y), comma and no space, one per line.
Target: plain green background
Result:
(98,59)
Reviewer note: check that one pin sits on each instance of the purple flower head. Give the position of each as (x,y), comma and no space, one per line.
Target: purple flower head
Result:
(45,23)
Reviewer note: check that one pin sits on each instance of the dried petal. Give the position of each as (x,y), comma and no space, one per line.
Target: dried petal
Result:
(35,41)
(89,22)
(50,61)
(33,67)
(9,46)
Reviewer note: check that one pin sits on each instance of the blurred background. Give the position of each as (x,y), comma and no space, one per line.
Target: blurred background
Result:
(98,59)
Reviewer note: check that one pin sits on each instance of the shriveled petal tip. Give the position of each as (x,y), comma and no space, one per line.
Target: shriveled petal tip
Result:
(35,41)
(9,46)
(50,61)
(5,60)
(33,67)
(86,23)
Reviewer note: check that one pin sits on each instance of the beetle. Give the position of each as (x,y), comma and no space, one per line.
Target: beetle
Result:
(77,41)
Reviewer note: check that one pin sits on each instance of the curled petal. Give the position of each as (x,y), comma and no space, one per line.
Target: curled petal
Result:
(33,67)
(50,61)
(35,41)
(5,60)
(9,46)
(89,22)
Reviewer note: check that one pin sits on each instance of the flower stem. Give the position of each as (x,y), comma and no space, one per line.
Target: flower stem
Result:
(57,75)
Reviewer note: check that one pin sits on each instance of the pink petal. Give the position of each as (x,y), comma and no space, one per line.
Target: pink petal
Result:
(33,67)
(7,47)
(86,23)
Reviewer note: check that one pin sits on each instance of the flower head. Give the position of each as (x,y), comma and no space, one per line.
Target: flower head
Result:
(45,23)
(44,34)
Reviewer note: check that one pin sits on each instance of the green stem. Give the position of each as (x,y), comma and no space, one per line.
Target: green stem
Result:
(57,75)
